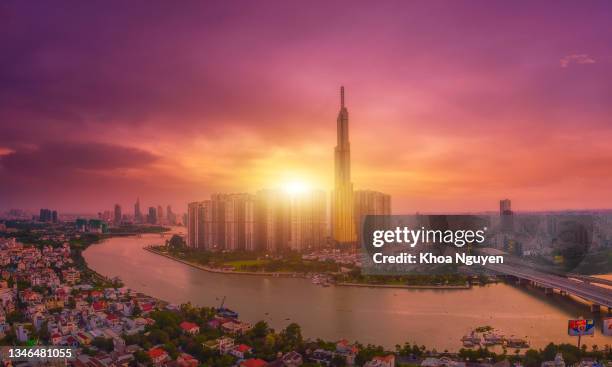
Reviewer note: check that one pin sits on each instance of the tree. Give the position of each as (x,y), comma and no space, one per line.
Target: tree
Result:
(260,329)
(291,337)
(104,344)
(142,357)
(176,242)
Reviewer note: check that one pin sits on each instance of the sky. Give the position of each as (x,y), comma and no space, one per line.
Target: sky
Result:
(453,105)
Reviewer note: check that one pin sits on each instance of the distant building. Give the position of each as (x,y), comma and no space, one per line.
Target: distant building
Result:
(170,216)
(48,215)
(137,212)
(160,215)
(117,216)
(152,216)
(368,202)
(506,215)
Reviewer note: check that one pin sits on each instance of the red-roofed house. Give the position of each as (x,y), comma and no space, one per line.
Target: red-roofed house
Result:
(380,361)
(253,362)
(241,350)
(56,339)
(158,355)
(186,360)
(189,328)
(98,306)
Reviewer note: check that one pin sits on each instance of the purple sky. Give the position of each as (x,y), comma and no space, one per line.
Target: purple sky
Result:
(453,105)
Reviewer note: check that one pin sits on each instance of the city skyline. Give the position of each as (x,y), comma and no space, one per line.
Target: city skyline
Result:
(453,105)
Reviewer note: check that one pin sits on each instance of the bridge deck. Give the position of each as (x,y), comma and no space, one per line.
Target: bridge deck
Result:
(585,290)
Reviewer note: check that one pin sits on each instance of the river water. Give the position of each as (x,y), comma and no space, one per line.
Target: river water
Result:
(435,318)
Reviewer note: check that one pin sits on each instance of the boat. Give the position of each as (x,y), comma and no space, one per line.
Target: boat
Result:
(493,339)
(517,343)
(226,312)
(472,339)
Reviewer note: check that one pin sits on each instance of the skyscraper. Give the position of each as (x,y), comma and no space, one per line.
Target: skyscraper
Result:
(170,215)
(506,215)
(152,217)
(343,224)
(137,212)
(160,215)
(117,215)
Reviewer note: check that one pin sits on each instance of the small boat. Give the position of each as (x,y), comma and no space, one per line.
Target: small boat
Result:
(493,339)
(226,312)
(517,343)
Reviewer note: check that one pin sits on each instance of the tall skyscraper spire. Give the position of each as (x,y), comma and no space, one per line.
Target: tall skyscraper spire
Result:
(343,226)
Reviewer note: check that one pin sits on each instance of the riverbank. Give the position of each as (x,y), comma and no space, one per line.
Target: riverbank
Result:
(404,286)
(301,275)
(222,271)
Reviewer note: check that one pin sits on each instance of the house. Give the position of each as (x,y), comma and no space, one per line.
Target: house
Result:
(253,362)
(189,328)
(225,345)
(292,359)
(23,334)
(322,356)
(98,306)
(381,361)
(186,360)
(240,351)
(236,327)
(158,355)
(347,350)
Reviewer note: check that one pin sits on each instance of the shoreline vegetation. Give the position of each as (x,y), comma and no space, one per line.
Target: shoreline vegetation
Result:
(352,278)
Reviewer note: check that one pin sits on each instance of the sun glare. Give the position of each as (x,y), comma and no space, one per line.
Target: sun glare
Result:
(295,187)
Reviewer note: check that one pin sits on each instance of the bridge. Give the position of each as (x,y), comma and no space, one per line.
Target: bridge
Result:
(580,286)
(589,279)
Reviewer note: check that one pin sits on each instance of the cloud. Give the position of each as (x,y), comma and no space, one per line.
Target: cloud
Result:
(71,157)
(580,59)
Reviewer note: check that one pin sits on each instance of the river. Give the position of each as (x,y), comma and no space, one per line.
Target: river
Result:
(435,318)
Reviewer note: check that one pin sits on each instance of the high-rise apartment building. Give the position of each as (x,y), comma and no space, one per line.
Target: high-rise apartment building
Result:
(308,212)
(272,220)
(343,223)
(368,202)
(238,220)
(199,219)
(225,222)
